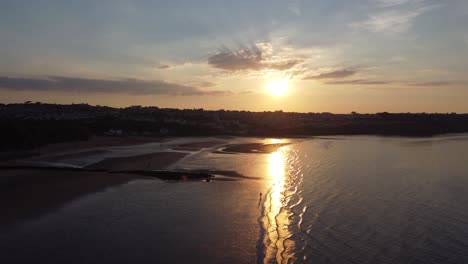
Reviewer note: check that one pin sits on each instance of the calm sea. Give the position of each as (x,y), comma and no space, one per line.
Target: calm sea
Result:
(369,200)
(359,199)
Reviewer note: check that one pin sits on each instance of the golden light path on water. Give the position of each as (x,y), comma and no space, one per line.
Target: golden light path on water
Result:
(278,248)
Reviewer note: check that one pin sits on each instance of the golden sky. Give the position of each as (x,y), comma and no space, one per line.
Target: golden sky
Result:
(307,56)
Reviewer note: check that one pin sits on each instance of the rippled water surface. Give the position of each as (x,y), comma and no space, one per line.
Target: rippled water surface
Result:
(369,200)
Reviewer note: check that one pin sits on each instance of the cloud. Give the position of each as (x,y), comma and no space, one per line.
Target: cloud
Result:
(357,82)
(438,83)
(125,86)
(284,66)
(393,21)
(242,59)
(295,7)
(388,3)
(203,84)
(331,75)
(257,58)
(163,67)
(383,82)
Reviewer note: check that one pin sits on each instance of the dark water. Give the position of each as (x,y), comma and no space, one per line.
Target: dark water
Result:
(145,221)
(373,200)
(324,200)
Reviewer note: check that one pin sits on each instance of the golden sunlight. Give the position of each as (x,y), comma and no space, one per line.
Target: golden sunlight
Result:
(276,219)
(278,87)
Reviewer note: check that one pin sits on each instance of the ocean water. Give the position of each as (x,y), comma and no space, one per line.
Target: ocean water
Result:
(359,199)
(369,200)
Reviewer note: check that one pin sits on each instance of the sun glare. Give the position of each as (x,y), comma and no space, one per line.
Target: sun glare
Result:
(278,87)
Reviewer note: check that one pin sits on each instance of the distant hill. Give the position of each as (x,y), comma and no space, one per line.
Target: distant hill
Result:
(30,125)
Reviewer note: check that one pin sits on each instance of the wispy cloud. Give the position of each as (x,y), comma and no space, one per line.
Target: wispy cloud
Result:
(357,82)
(388,3)
(391,22)
(125,86)
(338,74)
(438,83)
(295,7)
(203,84)
(399,83)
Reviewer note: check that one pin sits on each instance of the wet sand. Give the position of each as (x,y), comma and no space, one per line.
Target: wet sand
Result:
(117,192)
(252,148)
(153,161)
(197,146)
(72,150)
(226,173)
(30,192)
(27,192)
(73,155)
(96,142)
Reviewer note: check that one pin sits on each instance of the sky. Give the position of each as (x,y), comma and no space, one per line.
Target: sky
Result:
(336,55)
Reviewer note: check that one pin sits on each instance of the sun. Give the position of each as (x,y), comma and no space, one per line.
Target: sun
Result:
(278,87)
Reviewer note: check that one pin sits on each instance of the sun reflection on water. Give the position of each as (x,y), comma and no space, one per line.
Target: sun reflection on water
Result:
(278,247)
(275,141)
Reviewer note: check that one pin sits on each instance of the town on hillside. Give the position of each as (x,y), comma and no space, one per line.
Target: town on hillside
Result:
(32,124)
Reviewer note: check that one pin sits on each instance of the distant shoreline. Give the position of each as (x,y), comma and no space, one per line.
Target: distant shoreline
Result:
(31,125)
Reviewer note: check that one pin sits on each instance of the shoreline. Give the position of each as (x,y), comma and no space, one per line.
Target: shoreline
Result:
(66,148)
(53,185)
(49,188)
(98,143)
(95,143)
(29,189)
(256,148)
(150,161)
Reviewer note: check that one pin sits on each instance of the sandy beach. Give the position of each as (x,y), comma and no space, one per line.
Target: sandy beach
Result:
(70,155)
(196,146)
(56,182)
(96,142)
(52,188)
(74,149)
(153,161)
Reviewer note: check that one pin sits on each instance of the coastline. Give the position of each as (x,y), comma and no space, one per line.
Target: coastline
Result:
(75,149)
(152,161)
(37,193)
(123,194)
(43,175)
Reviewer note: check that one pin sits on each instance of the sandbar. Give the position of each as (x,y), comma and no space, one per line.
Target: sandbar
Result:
(152,161)
(251,148)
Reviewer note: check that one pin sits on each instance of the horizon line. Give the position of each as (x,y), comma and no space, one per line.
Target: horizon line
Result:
(236,110)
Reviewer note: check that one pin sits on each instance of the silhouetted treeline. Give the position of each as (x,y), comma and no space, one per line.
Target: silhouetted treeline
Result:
(33,124)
